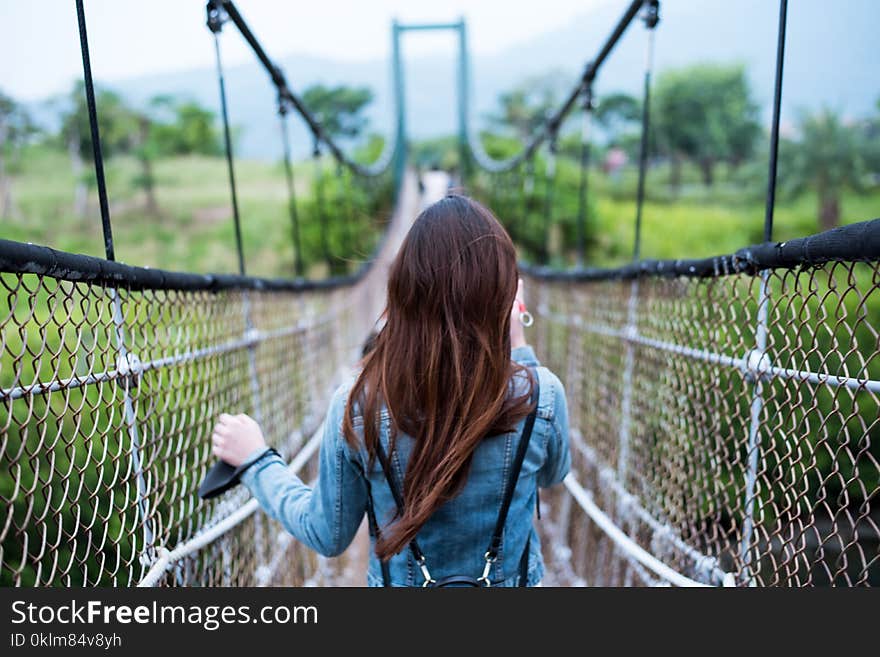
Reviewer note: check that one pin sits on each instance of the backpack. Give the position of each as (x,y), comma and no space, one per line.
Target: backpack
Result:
(494,544)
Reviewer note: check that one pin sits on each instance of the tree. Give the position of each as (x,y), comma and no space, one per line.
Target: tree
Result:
(520,113)
(117,125)
(525,107)
(339,109)
(15,129)
(617,113)
(116,122)
(188,129)
(146,151)
(871,143)
(166,126)
(705,113)
(171,127)
(827,158)
(436,153)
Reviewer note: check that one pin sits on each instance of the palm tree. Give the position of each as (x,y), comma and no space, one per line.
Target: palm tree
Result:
(828,159)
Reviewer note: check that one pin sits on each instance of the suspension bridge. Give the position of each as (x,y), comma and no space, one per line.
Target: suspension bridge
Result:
(724,411)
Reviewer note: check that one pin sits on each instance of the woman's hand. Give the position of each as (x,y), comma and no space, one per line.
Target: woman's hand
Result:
(517,332)
(235,437)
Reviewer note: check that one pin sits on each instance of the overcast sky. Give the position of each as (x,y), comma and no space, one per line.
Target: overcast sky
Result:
(39,43)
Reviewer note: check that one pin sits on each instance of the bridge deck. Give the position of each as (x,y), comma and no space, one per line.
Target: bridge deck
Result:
(350,568)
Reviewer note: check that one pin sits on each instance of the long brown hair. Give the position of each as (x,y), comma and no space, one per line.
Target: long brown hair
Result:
(441,363)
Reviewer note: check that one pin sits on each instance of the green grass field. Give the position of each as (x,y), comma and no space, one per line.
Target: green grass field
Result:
(695,229)
(194,232)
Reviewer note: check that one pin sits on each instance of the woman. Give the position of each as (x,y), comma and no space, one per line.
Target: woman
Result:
(443,401)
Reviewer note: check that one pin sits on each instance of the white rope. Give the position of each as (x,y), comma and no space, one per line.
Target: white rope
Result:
(624,542)
(754,365)
(166,557)
(663,532)
(252,338)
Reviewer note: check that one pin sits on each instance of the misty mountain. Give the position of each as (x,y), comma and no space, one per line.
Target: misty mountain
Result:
(831,60)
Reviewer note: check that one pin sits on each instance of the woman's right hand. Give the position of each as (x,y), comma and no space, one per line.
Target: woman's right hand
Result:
(517,331)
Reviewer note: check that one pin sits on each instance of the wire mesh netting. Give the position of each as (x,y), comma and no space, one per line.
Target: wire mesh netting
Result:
(728,424)
(108,399)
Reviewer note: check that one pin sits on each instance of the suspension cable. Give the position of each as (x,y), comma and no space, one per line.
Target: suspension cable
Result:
(545,131)
(215,24)
(774,129)
(549,187)
(508,185)
(495,191)
(379,167)
(527,188)
(123,356)
(93,127)
(345,203)
(291,188)
(651,18)
(319,203)
(588,107)
(762,323)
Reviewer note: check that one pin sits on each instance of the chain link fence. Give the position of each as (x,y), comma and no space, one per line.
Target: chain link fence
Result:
(724,414)
(109,393)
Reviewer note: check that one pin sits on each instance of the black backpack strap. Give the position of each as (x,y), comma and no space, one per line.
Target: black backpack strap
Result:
(524,562)
(495,544)
(414,548)
(374,531)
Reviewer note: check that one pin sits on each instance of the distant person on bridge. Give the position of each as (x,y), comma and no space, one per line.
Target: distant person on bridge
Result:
(425,440)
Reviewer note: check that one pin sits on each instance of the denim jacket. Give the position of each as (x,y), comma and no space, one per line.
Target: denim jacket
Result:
(455,538)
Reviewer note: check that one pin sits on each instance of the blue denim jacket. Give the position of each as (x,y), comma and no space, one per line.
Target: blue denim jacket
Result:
(455,538)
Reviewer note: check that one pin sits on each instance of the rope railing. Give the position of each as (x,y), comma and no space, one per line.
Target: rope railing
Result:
(724,410)
(699,373)
(78,484)
(220,10)
(548,132)
(111,376)
(630,547)
(105,442)
(705,567)
(781,493)
(549,128)
(167,558)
